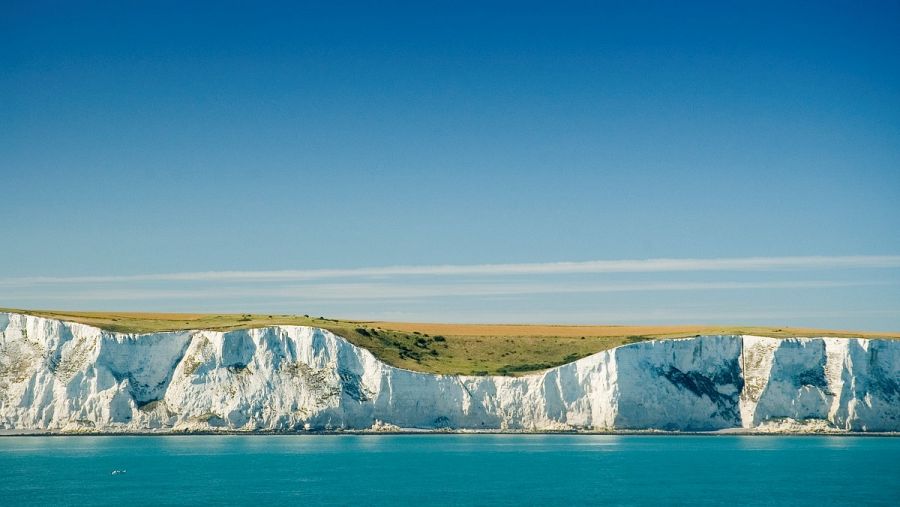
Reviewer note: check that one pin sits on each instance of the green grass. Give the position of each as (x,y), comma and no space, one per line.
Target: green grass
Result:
(471,349)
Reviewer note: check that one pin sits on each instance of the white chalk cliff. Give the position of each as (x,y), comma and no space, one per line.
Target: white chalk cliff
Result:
(62,376)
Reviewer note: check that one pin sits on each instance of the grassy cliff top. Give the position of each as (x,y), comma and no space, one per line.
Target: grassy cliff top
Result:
(480,349)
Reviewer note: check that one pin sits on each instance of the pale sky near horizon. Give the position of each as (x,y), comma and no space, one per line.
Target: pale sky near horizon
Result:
(708,163)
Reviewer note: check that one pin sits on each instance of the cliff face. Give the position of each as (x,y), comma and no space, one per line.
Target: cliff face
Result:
(63,376)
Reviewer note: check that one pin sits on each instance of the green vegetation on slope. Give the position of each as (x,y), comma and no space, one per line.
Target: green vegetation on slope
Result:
(471,349)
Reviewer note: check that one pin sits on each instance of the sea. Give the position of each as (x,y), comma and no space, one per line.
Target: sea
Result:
(449,469)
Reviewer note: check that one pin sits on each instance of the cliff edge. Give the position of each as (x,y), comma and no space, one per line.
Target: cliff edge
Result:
(68,377)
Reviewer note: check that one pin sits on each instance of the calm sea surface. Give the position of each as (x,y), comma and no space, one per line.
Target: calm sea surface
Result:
(450,470)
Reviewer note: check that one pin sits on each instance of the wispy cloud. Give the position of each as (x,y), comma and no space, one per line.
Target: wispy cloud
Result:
(547,268)
(390,291)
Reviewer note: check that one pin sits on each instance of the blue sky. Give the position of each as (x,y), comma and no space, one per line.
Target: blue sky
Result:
(154,138)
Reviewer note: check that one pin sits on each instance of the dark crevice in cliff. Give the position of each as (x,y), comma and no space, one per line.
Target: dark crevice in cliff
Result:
(702,385)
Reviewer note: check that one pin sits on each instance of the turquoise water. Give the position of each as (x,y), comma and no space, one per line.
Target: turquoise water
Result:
(451,470)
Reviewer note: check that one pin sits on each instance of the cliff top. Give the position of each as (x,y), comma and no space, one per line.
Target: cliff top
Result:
(506,349)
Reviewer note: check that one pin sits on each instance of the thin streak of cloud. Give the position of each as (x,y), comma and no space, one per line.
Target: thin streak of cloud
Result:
(546,268)
(387,291)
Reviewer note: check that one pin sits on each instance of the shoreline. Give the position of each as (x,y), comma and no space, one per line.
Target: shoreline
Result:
(413,432)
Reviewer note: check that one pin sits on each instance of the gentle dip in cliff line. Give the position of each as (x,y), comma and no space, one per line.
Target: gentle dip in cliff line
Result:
(450,470)
(74,378)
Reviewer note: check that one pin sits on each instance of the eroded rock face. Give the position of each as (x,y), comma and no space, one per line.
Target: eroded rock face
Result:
(71,377)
